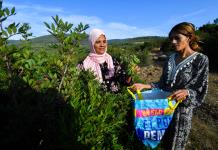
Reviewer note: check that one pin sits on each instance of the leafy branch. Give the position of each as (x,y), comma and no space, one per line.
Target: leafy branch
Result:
(68,38)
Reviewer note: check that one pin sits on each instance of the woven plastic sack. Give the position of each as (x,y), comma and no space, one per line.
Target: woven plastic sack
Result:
(153,112)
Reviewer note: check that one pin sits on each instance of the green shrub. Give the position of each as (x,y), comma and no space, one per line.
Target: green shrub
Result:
(47,103)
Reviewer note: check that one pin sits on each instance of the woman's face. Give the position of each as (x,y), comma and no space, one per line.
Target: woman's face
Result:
(179,41)
(100,45)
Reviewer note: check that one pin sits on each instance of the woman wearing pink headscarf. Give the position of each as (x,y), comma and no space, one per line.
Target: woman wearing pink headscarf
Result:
(107,70)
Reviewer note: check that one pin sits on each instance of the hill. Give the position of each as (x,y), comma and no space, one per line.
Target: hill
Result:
(42,41)
(136,39)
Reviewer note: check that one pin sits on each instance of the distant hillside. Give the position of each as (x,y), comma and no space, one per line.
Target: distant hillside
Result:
(48,39)
(137,39)
(42,40)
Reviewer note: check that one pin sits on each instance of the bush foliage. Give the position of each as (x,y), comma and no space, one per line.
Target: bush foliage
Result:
(47,103)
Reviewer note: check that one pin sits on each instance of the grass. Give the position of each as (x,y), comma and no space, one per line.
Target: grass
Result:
(203,136)
(213,90)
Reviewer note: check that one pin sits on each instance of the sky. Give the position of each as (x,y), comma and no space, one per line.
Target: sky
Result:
(119,19)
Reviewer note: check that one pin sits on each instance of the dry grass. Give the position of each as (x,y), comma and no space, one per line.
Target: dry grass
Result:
(203,136)
(213,90)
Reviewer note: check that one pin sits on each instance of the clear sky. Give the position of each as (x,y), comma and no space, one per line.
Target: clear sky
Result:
(118,18)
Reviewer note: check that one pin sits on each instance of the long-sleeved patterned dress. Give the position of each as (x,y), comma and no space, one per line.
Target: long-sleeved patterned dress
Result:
(191,74)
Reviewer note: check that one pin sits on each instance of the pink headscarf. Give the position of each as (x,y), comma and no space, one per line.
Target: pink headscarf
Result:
(93,60)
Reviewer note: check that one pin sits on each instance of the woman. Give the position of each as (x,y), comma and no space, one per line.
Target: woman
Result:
(185,74)
(107,70)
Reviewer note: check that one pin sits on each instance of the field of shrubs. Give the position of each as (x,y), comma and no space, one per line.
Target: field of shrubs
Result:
(47,103)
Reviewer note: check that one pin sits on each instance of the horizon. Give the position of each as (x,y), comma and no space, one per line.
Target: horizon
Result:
(119,20)
(108,39)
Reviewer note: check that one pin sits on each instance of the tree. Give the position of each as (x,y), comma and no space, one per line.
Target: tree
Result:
(209,36)
(1,4)
(216,21)
(7,51)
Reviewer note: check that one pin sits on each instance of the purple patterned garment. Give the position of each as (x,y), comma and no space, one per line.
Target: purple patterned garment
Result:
(119,79)
(192,74)
(113,83)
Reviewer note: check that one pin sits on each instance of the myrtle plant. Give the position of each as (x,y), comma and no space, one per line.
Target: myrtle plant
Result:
(7,50)
(68,43)
(68,37)
(57,105)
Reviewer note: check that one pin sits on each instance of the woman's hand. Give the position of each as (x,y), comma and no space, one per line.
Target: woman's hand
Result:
(140,86)
(179,95)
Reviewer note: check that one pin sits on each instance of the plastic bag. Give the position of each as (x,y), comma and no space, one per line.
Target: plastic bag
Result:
(153,112)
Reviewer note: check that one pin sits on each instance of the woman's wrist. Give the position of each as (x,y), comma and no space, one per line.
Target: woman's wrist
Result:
(148,86)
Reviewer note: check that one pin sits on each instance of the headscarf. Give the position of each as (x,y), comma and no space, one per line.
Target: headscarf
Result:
(93,60)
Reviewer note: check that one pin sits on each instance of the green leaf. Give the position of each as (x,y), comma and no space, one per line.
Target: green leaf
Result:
(26,66)
(9,30)
(30,81)
(57,18)
(68,39)
(47,25)
(14,29)
(26,54)
(55,76)
(7,11)
(25,78)
(5,33)
(70,26)
(1,13)
(61,23)
(3,19)
(53,27)
(17,24)
(12,10)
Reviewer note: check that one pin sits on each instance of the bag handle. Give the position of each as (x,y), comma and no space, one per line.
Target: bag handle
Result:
(137,91)
(171,106)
